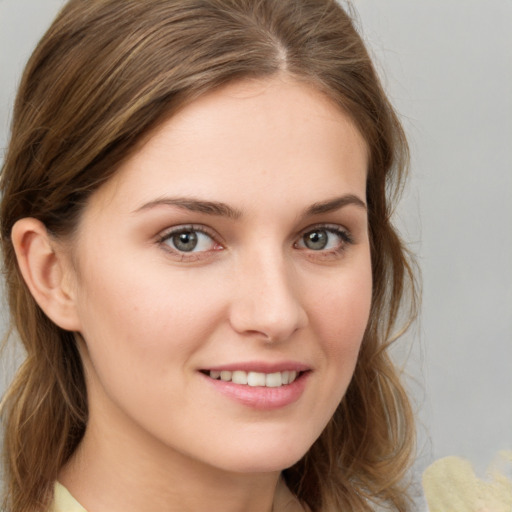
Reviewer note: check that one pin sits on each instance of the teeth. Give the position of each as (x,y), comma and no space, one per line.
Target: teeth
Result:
(273,380)
(269,380)
(239,377)
(256,379)
(226,375)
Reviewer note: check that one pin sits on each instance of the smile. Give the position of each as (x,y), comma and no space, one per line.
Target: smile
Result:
(261,390)
(255,379)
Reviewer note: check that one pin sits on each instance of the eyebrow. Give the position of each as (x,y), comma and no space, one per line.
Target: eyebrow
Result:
(223,210)
(194,205)
(334,204)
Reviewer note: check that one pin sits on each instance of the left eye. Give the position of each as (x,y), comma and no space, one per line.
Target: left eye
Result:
(322,239)
(189,240)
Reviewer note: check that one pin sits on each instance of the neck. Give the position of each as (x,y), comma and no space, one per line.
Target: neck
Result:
(112,472)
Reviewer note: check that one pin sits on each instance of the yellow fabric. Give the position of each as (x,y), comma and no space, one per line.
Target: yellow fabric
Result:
(64,502)
(450,485)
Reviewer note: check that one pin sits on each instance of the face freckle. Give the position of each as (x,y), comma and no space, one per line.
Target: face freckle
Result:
(192,262)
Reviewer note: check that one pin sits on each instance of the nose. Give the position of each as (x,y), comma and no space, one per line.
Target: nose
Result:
(267,300)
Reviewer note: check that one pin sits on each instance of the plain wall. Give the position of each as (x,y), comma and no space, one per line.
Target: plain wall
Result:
(447,66)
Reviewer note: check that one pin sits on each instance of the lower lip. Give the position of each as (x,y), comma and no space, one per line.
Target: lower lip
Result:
(261,397)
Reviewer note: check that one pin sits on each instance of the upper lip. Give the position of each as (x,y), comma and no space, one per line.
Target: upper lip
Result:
(261,367)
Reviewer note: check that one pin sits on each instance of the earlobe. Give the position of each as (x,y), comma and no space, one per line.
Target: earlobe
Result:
(45,272)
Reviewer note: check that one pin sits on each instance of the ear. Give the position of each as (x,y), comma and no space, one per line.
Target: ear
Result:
(46,271)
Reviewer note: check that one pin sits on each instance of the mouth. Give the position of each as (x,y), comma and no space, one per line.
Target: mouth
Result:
(255,379)
(258,385)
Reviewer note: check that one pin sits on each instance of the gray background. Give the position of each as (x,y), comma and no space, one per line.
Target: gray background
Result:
(447,66)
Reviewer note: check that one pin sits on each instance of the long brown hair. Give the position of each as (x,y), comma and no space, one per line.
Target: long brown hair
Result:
(106,73)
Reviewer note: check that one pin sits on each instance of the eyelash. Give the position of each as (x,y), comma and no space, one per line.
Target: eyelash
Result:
(183,229)
(344,236)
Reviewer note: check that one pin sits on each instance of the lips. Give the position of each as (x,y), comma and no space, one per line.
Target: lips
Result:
(260,385)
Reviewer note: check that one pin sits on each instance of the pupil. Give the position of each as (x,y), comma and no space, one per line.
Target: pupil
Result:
(316,240)
(186,241)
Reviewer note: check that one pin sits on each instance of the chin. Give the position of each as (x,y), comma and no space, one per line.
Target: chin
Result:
(276,465)
(273,457)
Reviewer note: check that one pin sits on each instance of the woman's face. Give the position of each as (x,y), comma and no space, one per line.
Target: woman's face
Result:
(227,257)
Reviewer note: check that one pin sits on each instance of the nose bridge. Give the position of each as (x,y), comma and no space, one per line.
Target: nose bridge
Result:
(267,299)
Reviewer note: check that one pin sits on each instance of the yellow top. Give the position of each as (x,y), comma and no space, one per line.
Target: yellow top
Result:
(64,502)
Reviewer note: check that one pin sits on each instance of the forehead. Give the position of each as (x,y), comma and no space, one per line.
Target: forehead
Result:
(251,139)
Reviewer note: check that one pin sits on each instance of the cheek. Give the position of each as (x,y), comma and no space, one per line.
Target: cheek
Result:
(135,320)
(342,310)
(340,317)
(141,337)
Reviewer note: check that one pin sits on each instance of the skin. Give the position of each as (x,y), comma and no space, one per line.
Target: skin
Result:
(160,437)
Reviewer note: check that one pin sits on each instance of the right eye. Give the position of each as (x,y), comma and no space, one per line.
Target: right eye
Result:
(188,239)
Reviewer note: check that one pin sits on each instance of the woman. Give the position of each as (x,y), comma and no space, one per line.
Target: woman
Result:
(201,265)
